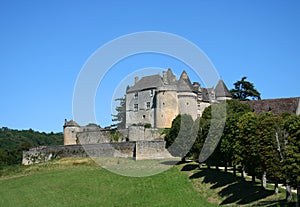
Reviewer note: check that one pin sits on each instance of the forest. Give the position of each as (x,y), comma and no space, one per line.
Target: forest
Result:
(13,142)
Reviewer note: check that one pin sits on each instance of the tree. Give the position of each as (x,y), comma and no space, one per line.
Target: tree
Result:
(292,153)
(180,138)
(223,153)
(120,117)
(243,90)
(246,144)
(268,149)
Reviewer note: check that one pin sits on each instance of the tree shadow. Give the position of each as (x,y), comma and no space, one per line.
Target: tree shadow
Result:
(235,190)
(170,162)
(190,167)
(243,192)
(215,177)
(282,203)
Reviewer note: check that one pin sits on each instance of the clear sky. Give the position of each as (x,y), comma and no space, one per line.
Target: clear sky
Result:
(44,45)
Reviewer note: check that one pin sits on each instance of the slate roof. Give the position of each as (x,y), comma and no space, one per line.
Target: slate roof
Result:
(152,81)
(221,90)
(277,106)
(206,92)
(184,83)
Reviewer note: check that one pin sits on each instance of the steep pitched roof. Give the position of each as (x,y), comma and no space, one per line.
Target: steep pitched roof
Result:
(221,90)
(277,106)
(206,93)
(184,83)
(152,81)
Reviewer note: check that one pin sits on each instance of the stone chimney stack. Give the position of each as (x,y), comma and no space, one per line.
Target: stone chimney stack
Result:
(136,79)
(165,77)
(196,86)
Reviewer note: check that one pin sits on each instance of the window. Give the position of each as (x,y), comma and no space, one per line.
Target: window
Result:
(148,105)
(135,107)
(144,116)
(136,95)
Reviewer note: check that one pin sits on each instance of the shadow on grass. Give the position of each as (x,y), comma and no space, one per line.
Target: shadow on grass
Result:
(189,167)
(170,162)
(276,203)
(233,189)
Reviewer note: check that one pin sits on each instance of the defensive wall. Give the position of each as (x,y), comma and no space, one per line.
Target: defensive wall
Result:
(133,149)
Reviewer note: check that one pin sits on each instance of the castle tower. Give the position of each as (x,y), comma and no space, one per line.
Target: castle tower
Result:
(70,130)
(167,107)
(187,96)
(221,91)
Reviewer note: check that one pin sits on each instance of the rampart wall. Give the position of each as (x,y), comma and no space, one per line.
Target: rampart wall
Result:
(137,150)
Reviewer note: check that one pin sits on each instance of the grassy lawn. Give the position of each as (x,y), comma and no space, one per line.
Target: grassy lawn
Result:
(70,182)
(81,182)
(223,188)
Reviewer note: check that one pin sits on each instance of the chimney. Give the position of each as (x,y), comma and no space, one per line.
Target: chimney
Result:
(136,79)
(196,86)
(165,77)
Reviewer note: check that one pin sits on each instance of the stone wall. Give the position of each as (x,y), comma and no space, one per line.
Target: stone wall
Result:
(70,133)
(44,154)
(136,133)
(144,113)
(94,137)
(187,103)
(151,150)
(167,108)
(139,150)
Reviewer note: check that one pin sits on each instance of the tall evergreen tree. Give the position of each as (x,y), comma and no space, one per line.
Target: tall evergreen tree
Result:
(243,90)
(120,117)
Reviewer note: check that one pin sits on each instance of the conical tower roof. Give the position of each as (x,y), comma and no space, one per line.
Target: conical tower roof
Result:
(221,90)
(184,83)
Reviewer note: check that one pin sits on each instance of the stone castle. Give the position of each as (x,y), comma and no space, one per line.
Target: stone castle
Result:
(158,100)
(153,99)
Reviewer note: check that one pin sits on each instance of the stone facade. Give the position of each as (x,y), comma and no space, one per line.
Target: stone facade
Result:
(158,100)
(137,133)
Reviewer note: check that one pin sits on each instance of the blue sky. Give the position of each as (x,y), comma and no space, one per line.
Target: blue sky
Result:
(44,45)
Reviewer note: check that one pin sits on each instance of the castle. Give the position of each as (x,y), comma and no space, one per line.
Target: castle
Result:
(154,100)
(158,100)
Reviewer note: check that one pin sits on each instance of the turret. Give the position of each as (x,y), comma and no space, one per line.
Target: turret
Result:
(71,128)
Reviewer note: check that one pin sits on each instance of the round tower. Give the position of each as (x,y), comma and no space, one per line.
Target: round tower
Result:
(167,108)
(71,128)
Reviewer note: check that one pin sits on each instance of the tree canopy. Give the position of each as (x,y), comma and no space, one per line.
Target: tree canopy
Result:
(243,90)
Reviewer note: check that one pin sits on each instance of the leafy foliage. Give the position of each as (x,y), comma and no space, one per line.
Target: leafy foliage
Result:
(292,152)
(14,142)
(180,137)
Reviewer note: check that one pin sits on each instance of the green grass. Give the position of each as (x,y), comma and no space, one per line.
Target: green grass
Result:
(71,182)
(81,182)
(223,188)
